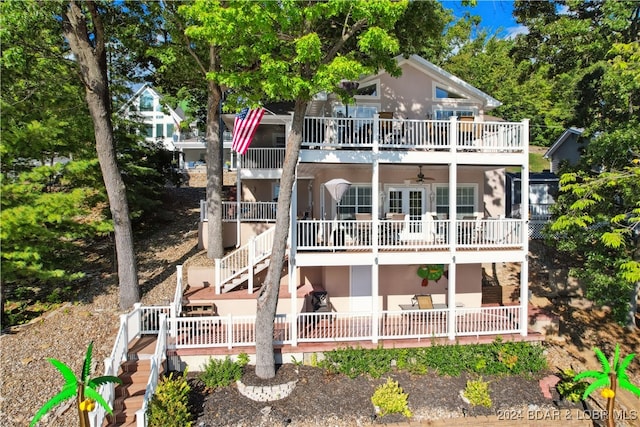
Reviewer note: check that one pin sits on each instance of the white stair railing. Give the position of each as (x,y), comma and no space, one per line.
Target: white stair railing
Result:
(244,258)
(129,329)
(159,356)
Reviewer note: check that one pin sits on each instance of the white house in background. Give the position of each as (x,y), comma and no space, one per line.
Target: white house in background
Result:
(425,192)
(162,123)
(568,148)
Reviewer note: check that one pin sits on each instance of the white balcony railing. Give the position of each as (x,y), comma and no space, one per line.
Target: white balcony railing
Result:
(249,211)
(238,331)
(358,133)
(408,234)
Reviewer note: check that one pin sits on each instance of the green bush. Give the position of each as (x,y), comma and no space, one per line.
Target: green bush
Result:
(169,406)
(221,373)
(568,388)
(354,362)
(477,393)
(497,358)
(389,398)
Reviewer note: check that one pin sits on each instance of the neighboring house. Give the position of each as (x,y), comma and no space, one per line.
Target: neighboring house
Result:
(163,123)
(543,190)
(426,190)
(568,149)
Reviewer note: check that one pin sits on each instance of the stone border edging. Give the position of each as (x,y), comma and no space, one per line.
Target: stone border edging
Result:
(266,393)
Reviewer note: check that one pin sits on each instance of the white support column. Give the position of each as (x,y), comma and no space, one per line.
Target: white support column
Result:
(524,296)
(451,300)
(375,307)
(239,202)
(218,273)
(293,233)
(252,261)
(524,270)
(453,228)
(375,281)
(292,270)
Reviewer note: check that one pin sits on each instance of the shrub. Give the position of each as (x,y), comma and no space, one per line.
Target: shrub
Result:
(568,388)
(389,398)
(169,406)
(221,373)
(487,359)
(477,393)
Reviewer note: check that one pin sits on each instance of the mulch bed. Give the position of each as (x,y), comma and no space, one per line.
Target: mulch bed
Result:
(322,399)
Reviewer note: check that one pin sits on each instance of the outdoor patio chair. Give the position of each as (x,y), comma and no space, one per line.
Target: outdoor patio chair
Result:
(424,302)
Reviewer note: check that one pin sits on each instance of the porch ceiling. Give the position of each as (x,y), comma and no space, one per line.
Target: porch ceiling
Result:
(403,171)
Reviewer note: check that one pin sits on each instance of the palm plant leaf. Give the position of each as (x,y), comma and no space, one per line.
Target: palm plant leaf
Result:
(616,357)
(86,368)
(603,361)
(67,373)
(620,371)
(601,382)
(627,385)
(67,392)
(95,382)
(589,374)
(92,394)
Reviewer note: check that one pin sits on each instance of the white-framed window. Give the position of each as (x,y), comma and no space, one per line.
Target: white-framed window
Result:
(443,113)
(466,200)
(446,93)
(363,111)
(357,199)
(368,90)
(146,102)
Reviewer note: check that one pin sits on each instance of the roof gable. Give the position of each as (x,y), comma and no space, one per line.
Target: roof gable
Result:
(455,84)
(563,138)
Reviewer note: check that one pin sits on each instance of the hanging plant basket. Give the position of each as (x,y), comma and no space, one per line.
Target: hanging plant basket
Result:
(430,272)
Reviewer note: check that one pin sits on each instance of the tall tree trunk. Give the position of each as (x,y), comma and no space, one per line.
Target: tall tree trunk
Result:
(215,248)
(268,296)
(88,47)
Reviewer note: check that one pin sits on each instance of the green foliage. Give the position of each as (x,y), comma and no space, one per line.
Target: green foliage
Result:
(596,217)
(389,398)
(568,388)
(354,362)
(220,373)
(477,392)
(169,406)
(497,358)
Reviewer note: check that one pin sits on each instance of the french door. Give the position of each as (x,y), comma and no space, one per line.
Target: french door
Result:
(409,200)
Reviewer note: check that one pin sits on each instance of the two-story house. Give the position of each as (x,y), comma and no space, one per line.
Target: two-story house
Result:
(161,123)
(399,194)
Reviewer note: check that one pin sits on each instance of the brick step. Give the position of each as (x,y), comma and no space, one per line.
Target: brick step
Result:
(133,377)
(130,390)
(132,366)
(129,402)
(120,418)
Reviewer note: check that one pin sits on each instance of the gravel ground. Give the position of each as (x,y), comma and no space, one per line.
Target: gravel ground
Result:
(322,399)
(27,380)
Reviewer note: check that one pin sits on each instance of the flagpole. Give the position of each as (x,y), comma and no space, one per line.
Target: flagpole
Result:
(238,203)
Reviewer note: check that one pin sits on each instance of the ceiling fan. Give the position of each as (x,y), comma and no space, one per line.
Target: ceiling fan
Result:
(421,177)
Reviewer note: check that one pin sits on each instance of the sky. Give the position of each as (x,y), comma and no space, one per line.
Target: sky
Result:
(496,16)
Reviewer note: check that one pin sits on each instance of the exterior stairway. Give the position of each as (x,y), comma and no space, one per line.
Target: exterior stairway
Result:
(242,279)
(134,373)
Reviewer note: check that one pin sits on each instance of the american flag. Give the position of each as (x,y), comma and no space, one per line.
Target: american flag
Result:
(244,127)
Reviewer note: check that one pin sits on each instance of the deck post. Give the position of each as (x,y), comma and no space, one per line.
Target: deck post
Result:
(218,275)
(451,300)
(251,262)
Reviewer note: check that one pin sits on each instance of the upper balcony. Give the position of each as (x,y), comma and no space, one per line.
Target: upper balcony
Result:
(477,142)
